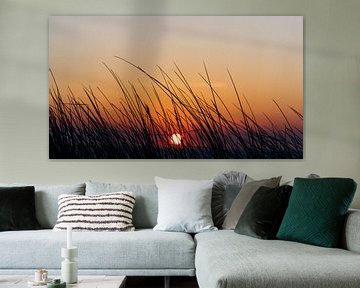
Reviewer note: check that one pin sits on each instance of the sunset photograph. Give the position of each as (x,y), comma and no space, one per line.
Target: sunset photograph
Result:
(175,87)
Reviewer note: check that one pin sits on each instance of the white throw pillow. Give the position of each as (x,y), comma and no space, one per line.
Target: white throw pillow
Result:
(105,212)
(184,205)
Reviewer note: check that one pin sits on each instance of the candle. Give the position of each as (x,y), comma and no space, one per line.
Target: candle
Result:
(69,239)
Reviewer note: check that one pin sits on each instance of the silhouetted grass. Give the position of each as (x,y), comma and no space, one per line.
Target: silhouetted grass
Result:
(140,123)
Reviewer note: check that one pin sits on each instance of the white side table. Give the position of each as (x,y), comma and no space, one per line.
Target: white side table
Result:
(84,281)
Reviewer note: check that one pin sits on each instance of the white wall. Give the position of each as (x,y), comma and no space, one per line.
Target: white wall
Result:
(332,91)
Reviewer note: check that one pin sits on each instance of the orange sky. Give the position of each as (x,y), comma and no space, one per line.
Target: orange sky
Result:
(263,53)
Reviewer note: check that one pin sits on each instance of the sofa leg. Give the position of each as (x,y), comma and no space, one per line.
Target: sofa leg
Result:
(167,282)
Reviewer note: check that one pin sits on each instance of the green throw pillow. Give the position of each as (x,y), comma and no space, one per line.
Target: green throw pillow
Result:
(316,211)
(17,209)
(263,215)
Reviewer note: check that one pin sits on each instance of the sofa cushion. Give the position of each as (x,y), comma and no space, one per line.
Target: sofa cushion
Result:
(350,239)
(105,212)
(184,205)
(17,208)
(46,200)
(316,211)
(226,187)
(146,204)
(137,250)
(243,198)
(263,214)
(225,259)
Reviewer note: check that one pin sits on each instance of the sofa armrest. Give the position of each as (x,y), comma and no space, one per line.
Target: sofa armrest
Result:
(351,234)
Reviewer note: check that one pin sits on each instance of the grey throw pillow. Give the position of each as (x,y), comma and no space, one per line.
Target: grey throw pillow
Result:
(184,205)
(242,199)
(310,176)
(226,187)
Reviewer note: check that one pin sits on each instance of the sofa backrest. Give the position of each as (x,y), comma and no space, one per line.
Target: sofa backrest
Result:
(46,200)
(146,203)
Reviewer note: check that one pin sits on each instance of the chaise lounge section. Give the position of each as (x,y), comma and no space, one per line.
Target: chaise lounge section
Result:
(225,259)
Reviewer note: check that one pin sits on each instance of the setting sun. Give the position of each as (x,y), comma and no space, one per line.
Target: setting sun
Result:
(175,139)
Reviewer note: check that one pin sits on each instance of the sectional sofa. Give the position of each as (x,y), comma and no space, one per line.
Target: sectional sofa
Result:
(219,259)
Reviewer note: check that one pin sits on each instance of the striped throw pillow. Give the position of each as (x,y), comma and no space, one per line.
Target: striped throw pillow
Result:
(105,212)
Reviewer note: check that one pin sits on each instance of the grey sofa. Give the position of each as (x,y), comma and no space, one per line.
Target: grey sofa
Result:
(218,259)
(143,252)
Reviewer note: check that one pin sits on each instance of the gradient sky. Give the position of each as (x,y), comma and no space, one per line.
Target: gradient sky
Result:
(263,53)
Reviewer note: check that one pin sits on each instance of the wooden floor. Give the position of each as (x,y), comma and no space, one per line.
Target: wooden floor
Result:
(158,282)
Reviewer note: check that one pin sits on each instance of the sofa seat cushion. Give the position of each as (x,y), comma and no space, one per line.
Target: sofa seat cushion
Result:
(225,259)
(142,249)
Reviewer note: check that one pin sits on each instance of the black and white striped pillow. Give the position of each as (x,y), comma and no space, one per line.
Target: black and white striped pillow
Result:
(105,212)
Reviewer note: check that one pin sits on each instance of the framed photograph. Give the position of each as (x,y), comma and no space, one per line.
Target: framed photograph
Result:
(176,87)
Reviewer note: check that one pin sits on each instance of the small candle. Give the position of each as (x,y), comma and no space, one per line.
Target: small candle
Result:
(69,239)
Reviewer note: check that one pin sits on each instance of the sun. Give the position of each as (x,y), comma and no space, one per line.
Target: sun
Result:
(175,139)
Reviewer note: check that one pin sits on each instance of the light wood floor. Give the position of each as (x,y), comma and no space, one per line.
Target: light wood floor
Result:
(158,282)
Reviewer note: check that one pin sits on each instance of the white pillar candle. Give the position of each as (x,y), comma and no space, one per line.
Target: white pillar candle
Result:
(69,237)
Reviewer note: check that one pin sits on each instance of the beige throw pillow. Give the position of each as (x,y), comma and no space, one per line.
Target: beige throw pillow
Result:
(243,198)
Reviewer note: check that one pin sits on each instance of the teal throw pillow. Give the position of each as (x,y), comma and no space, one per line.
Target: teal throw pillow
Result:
(316,211)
